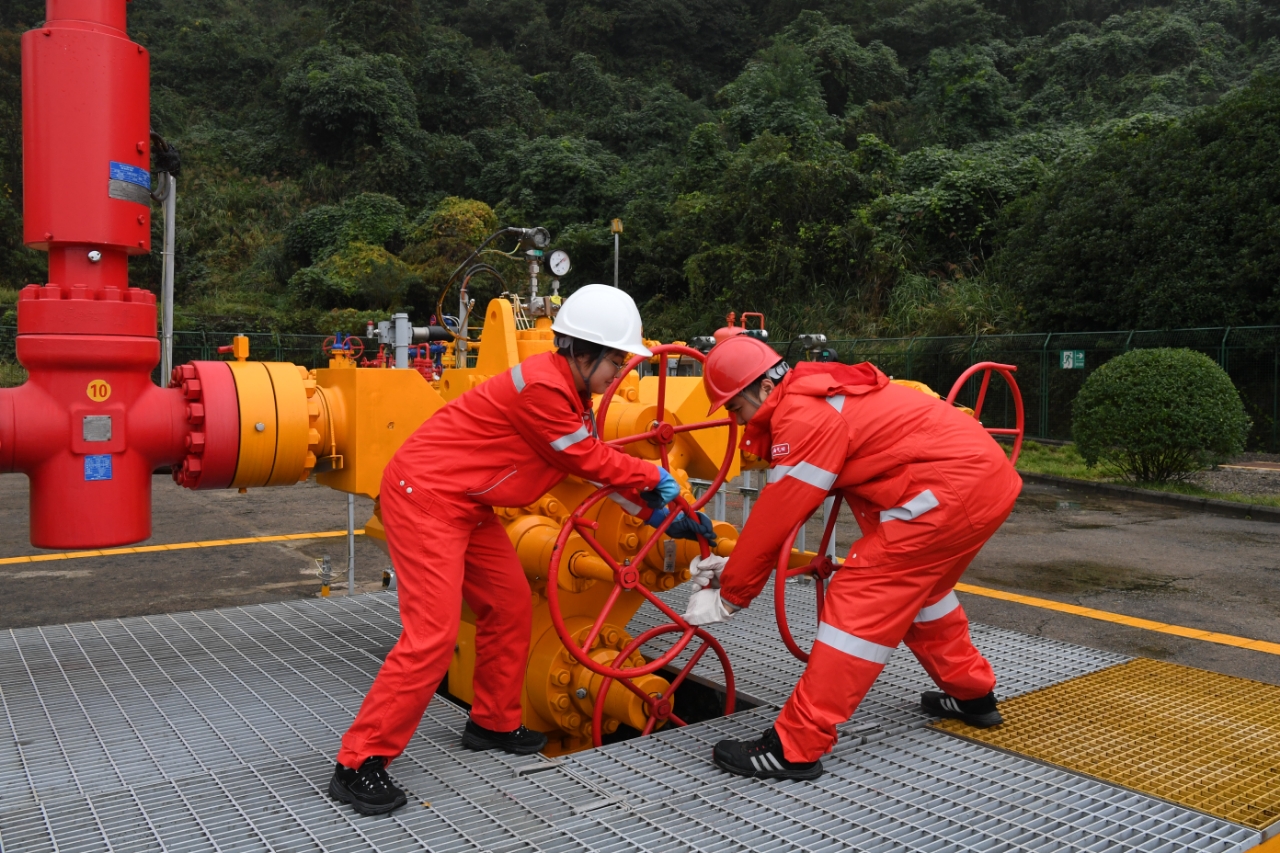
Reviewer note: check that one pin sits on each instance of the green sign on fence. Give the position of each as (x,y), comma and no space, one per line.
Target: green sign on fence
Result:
(1072,359)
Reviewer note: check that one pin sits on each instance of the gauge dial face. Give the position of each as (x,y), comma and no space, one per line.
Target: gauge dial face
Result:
(559,262)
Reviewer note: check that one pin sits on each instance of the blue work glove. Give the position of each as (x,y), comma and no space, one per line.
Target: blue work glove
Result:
(664,493)
(683,528)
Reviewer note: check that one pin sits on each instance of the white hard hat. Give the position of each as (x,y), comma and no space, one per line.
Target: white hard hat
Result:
(603,315)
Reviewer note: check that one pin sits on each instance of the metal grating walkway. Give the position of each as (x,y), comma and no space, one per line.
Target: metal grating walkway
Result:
(214,731)
(766,671)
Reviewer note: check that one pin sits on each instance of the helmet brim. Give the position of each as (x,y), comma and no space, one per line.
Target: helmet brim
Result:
(637,349)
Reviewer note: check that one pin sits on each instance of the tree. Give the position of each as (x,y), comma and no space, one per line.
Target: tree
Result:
(777,93)
(964,95)
(850,74)
(1134,414)
(1169,224)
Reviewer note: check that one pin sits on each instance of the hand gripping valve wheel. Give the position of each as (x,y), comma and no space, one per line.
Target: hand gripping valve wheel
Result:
(582,637)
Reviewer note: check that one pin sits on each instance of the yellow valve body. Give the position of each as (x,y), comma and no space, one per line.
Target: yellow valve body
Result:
(344,424)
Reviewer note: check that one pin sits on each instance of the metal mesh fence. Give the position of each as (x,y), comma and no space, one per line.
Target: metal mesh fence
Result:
(263,346)
(1050,367)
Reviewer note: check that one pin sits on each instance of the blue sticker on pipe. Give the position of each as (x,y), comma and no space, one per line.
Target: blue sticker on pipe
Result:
(97,467)
(132,174)
(129,183)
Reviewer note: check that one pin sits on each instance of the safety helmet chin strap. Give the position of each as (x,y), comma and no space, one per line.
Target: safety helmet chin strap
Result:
(563,340)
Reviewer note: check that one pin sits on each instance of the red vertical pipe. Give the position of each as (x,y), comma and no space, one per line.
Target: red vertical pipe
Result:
(89,427)
(86,143)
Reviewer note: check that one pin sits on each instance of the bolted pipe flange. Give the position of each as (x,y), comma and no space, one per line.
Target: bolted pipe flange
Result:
(213,443)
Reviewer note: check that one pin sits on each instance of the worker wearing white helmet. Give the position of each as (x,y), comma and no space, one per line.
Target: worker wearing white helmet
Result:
(504,443)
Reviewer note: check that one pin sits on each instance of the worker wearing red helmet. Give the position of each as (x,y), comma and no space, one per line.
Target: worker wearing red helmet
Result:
(504,443)
(927,486)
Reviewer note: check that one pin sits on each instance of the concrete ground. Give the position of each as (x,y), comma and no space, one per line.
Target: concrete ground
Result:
(1143,560)
(1150,561)
(136,584)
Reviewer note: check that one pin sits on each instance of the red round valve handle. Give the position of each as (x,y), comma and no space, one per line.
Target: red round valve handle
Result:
(1005,370)
(820,568)
(625,577)
(660,707)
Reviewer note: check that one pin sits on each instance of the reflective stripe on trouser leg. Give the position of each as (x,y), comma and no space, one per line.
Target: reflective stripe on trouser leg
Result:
(428,556)
(939,637)
(496,590)
(938,609)
(946,651)
(828,693)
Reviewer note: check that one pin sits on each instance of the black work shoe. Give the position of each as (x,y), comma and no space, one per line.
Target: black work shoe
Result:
(520,742)
(762,759)
(369,790)
(976,712)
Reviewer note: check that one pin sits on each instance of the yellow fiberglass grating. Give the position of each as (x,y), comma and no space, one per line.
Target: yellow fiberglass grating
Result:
(1200,739)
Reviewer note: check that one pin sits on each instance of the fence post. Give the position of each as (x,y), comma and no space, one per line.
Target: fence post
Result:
(1044,387)
(910,374)
(1128,340)
(1222,349)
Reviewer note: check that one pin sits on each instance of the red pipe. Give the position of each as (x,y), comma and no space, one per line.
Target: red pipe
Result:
(89,427)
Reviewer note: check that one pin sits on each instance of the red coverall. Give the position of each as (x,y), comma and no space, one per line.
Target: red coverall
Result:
(927,486)
(504,443)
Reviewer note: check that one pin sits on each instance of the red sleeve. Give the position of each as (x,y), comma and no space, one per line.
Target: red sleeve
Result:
(548,420)
(819,440)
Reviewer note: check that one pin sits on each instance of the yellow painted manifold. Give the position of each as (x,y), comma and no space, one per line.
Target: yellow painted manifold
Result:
(344,423)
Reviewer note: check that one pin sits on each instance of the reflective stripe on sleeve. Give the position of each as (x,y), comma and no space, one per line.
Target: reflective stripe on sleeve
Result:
(837,402)
(913,508)
(938,609)
(517,376)
(806,472)
(621,501)
(853,646)
(566,441)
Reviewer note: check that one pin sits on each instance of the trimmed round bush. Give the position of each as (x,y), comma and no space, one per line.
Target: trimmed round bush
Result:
(1158,415)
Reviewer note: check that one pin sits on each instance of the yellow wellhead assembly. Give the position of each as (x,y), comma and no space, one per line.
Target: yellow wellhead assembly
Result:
(589,563)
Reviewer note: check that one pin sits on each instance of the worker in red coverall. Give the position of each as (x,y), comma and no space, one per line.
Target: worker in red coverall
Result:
(504,443)
(928,487)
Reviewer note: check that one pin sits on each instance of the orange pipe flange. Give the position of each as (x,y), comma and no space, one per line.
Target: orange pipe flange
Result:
(293,425)
(257,399)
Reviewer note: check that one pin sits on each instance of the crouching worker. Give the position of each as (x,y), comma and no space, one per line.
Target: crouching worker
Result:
(928,487)
(504,443)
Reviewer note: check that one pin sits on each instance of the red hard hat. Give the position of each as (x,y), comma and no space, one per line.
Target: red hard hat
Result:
(733,364)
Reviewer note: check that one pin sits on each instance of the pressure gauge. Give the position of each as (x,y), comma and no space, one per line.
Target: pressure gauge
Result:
(559,262)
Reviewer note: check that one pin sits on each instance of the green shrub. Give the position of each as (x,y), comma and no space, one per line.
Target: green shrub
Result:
(1158,415)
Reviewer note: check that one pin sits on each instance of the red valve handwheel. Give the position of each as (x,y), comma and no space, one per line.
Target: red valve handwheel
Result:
(1005,370)
(354,346)
(660,710)
(626,577)
(662,433)
(820,567)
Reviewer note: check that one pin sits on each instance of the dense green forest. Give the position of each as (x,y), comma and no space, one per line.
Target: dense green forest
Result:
(862,167)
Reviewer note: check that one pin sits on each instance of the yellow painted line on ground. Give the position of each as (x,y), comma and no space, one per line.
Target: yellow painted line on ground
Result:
(1121,619)
(175,546)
